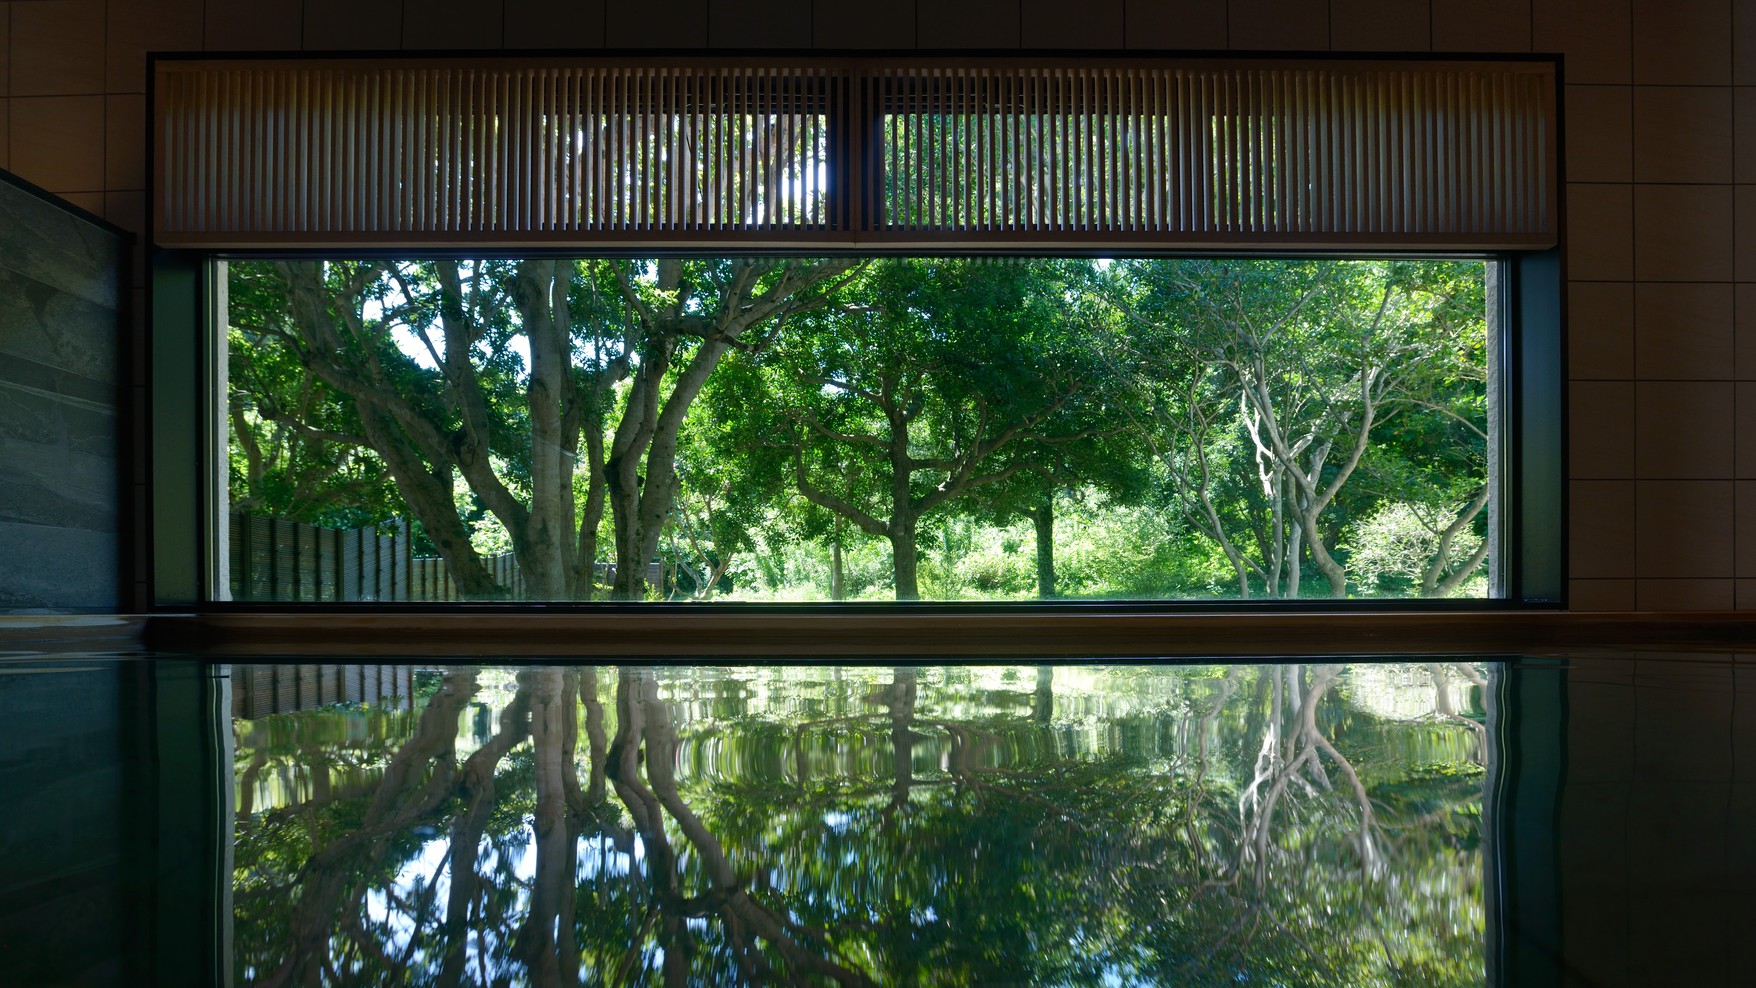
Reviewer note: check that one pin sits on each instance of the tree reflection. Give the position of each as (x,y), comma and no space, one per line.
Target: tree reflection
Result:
(562,826)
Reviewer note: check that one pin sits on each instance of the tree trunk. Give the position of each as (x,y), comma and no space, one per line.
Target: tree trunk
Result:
(660,490)
(905,559)
(1295,552)
(545,541)
(1326,564)
(1044,516)
(837,589)
(629,582)
(585,558)
(428,497)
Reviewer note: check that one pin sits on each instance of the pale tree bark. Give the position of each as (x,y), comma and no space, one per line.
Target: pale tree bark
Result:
(1191,471)
(836,588)
(743,312)
(330,340)
(1439,578)
(554,542)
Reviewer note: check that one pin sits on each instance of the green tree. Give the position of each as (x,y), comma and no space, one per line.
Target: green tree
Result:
(932,382)
(501,373)
(1268,387)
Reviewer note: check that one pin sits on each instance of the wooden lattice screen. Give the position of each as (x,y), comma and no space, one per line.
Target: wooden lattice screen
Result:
(841,152)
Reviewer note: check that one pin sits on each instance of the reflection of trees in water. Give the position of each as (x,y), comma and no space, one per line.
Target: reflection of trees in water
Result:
(1247,826)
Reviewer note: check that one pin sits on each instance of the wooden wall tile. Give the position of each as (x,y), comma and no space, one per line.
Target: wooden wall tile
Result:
(1594,35)
(58,48)
(1481,25)
(1744,243)
(1682,42)
(1683,595)
(5,51)
(1379,25)
(841,24)
(136,28)
(58,142)
(1600,232)
(1058,24)
(967,24)
(554,24)
(340,25)
(1600,519)
(260,25)
(452,24)
(1683,232)
(1601,595)
(1683,331)
(1682,430)
(656,24)
(1291,25)
(1682,134)
(1600,420)
(125,142)
(1600,330)
(1180,25)
(1681,530)
(759,23)
(1743,430)
(1745,524)
(1599,138)
(1744,43)
(1744,330)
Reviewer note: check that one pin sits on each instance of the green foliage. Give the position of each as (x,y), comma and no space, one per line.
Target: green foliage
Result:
(1392,547)
(1175,417)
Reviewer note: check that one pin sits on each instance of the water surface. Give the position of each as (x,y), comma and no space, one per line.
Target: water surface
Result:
(917,825)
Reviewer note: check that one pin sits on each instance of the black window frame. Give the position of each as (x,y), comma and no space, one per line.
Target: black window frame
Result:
(1531,568)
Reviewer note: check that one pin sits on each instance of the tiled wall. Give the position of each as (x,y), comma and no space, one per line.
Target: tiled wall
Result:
(62,283)
(1661,129)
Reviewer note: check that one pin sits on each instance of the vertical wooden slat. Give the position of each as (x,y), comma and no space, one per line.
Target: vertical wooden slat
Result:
(590,133)
(1065,211)
(1163,154)
(553,184)
(944,148)
(1027,177)
(710,155)
(663,176)
(1013,126)
(670,150)
(1045,161)
(1140,164)
(1193,115)
(700,151)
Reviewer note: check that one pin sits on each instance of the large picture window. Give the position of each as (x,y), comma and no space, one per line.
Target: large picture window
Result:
(830,330)
(890,428)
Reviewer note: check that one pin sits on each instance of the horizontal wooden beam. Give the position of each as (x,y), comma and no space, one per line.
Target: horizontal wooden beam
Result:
(683,634)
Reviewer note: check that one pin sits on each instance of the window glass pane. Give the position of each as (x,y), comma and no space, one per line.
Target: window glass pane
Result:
(854,429)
